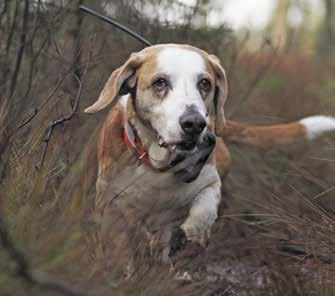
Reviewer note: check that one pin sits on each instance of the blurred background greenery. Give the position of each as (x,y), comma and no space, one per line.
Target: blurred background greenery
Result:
(275,234)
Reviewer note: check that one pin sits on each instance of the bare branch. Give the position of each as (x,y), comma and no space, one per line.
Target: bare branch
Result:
(59,122)
(39,108)
(70,115)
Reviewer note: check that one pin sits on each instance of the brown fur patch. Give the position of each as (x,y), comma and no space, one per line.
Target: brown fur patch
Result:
(264,137)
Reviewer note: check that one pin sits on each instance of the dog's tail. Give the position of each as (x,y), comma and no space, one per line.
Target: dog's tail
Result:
(272,136)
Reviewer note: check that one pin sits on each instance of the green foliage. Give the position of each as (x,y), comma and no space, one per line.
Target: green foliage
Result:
(273,83)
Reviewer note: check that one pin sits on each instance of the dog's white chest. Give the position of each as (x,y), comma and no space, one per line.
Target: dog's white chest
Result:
(149,194)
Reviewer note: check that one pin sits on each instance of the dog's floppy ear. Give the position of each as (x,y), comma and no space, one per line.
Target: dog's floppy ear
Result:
(221,91)
(118,83)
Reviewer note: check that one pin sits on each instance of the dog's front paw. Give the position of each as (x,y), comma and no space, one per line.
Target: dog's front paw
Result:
(178,241)
(198,235)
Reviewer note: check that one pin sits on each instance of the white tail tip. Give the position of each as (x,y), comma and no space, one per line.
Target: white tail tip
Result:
(317,125)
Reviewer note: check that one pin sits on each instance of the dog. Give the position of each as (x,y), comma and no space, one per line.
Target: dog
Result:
(167,112)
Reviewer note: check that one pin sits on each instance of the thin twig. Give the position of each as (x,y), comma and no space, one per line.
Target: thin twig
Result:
(116,24)
(67,117)
(39,108)
(58,122)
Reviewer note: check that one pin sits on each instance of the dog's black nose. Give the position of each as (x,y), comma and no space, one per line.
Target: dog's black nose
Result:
(192,123)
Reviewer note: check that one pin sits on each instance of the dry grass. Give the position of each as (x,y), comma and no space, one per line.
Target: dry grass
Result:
(275,234)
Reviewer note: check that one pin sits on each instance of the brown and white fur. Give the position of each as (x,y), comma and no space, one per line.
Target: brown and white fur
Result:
(154,110)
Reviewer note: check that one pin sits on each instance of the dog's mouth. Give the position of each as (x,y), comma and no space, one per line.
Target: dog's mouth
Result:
(190,158)
(184,145)
(166,155)
(187,145)
(185,158)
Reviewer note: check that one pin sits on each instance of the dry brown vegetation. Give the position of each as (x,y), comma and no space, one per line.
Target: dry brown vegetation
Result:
(276,231)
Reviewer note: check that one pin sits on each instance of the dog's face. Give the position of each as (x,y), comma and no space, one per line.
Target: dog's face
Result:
(176,90)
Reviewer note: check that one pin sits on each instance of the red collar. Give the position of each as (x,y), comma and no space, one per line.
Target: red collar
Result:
(134,144)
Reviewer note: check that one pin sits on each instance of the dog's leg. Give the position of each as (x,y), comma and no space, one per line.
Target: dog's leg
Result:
(202,215)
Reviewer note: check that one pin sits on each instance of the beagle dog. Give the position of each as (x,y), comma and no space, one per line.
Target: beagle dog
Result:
(167,113)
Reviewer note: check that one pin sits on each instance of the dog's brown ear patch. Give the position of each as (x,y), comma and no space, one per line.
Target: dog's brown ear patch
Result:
(115,85)
(220,94)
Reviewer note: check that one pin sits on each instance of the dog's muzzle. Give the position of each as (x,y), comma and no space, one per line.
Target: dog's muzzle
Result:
(188,165)
(185,164)
(192,124)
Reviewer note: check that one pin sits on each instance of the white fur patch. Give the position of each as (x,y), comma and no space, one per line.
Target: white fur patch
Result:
(183,68)
(123,102)
(203,212)
(317,125)
(181,62)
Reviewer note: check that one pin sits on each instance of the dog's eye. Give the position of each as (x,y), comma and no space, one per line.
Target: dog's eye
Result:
(161,84)
(205,85)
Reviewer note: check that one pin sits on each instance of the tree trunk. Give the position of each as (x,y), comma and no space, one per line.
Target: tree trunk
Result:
(279,26)
(327,37)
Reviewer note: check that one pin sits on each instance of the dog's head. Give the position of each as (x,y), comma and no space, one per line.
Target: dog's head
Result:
(178,90)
